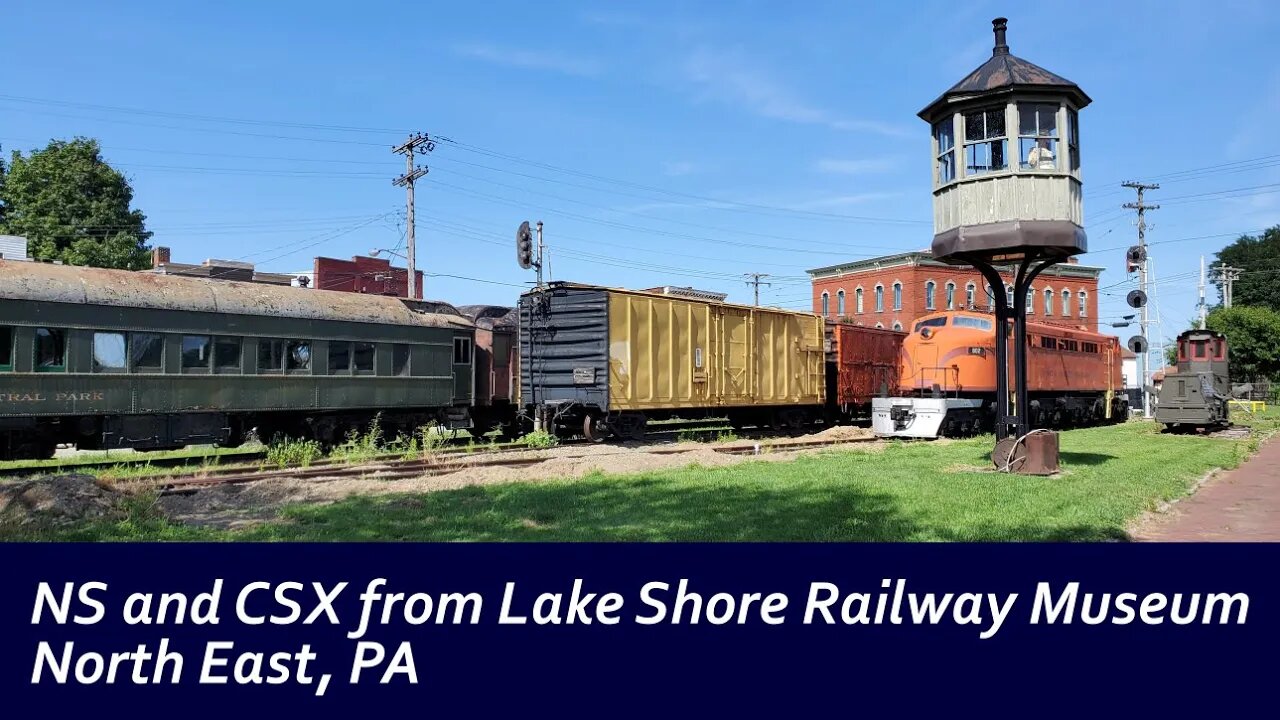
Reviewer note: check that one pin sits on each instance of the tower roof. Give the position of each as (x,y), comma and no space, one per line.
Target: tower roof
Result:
(1005,73)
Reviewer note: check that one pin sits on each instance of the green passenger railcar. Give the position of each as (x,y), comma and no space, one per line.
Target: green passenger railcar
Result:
(117,359)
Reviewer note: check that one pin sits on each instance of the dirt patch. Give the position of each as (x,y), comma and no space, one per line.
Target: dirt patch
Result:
(241,505)
(57,500)
(844,432)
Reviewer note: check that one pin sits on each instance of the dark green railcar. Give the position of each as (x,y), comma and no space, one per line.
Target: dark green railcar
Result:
(1195,394)
(116,359)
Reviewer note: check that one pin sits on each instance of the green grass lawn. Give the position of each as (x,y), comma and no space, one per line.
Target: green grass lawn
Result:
(909,491)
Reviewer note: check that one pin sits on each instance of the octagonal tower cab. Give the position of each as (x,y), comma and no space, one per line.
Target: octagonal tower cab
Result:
(1006,162)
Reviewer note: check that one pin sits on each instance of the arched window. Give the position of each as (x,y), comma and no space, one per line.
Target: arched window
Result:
(826,304)
(857,300)
(930,289)
(991,298)
(840,303)
(897,326)
(1031,301)
(1084,304)
(1066,303)
(951,295)
(879,298)
(880,325)
(1048,302)
(970,292)
(897,295)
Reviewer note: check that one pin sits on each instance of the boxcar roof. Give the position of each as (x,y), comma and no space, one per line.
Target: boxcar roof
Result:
(46,282)
(705,301)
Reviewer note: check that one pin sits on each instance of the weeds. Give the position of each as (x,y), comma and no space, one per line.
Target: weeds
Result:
(726,436)
(539,439)
(291,452)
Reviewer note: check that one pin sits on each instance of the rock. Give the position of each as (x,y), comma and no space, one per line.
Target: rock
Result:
(59,499)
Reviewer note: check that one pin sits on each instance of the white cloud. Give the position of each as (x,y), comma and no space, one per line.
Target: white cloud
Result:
(856,167)
(528,59)
(727,78)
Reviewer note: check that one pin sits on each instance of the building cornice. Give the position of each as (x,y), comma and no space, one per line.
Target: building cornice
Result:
(922,258)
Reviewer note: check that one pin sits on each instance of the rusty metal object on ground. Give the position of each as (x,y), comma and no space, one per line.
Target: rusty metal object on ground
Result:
(1034,454)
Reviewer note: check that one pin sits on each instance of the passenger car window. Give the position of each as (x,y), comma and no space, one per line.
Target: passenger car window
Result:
(146,351)
(339,358)
(298,357)
(108,351)
(226,353)
(399,359)
(6,348)
(363,356)
(50,350)
(462,351)
(195,352)
(270,356)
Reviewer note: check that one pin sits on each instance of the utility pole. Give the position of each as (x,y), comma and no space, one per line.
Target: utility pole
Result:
(755,281)
(540,250)
(417,144)
(1142,209)
(1202,309)
(1228,275)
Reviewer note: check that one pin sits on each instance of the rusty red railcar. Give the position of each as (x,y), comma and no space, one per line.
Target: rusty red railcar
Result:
(862,363)
(497,360)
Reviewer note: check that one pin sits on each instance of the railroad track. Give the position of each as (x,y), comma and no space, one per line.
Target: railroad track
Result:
(437,464)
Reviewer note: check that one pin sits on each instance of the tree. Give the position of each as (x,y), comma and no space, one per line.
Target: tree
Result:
(1252,346)
(74,207)
(1254,253)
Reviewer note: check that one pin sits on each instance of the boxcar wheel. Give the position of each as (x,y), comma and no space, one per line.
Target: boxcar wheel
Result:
(593,429)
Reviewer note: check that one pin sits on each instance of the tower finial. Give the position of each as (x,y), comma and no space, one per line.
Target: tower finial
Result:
(999,25)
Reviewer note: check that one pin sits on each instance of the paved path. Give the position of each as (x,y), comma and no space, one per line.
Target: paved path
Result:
(1242,505)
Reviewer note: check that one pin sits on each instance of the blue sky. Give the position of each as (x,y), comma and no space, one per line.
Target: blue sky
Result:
(661,143)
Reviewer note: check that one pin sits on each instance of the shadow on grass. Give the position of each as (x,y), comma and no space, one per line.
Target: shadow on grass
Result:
(1084,458)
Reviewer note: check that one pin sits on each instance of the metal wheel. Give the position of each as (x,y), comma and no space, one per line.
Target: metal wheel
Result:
(593,429)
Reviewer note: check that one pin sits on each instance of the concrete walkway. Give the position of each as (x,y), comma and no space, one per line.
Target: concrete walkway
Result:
(1242,505)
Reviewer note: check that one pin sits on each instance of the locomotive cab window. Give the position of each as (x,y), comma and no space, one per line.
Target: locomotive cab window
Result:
(146,352)
(973,322)
(197,352)
(108,352)
(461,351)
(6,348)
(50,350)
(931,322)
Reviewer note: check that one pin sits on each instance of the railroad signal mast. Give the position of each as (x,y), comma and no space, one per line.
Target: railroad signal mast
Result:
(525,249)
(1139,253)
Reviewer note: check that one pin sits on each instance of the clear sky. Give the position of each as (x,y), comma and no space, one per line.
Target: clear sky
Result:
(661,143)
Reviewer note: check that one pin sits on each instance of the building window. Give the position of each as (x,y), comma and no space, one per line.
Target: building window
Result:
(951,295)
(1066,303)
(857,300)
(226,354)
(6,348)
(880,325)
(826,305)
(930,289)
(50,350)
(897,296)
(1084,304)
(195,352)
(461,351)
(970,291)
(897,326)
(1031,301)
(1073,139)
(1048,302)
(984,141)
(840,303)
(879,298)
(944,135)
(146,352)
(363,356)
(991,298)
(399,359)
(1038,136)
(298,356)
(1008,296)
(108,352)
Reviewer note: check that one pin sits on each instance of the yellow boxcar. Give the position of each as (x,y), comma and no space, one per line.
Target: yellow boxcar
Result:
(602,360)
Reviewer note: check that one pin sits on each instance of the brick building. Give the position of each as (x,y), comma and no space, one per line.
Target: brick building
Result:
(162,264)
(374,276)
(893,290)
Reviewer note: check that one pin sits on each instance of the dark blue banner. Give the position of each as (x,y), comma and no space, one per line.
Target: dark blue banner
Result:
(609,629)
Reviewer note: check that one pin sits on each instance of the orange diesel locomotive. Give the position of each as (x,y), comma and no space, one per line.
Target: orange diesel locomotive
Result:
(947,383)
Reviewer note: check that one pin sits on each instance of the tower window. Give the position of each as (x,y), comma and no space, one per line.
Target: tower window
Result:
(1038,136)
(944,134)
(984,141)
